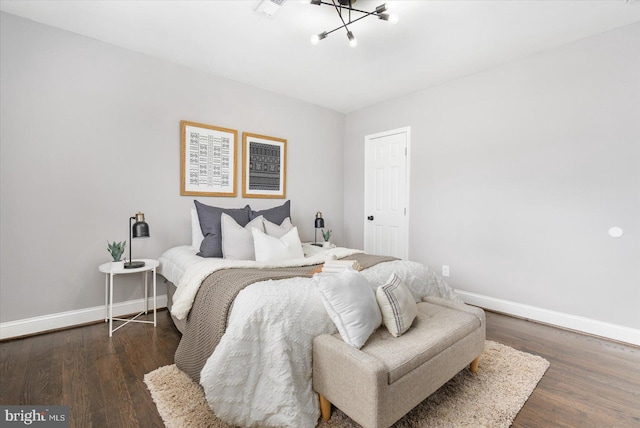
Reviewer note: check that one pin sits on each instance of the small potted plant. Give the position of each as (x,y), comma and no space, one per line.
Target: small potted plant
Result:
(326,234)
(116,249)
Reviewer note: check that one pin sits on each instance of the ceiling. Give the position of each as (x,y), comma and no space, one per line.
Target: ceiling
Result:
(434,41)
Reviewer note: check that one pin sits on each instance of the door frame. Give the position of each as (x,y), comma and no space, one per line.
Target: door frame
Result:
(367,138)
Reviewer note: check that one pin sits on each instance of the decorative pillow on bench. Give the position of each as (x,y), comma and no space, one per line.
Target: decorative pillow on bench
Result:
(351,305)
(397,305)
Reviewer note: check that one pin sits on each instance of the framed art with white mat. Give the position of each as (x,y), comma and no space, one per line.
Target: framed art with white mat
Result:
(207,160)
(264,164)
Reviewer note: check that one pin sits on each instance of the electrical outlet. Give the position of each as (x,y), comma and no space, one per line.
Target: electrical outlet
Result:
(445,270)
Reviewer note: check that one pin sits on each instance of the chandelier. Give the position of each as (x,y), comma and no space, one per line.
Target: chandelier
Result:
(345,10)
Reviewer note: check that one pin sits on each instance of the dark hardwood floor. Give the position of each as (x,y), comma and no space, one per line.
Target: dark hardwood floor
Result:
(590,383)
(100,378)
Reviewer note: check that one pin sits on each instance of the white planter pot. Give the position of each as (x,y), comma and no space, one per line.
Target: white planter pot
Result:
(117,265)
(326,244)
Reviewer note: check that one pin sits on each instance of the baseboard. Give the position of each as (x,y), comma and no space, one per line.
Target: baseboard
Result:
(585,325)
(71,318)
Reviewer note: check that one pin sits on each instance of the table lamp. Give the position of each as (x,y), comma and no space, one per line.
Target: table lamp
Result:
(140,229)
(319,224)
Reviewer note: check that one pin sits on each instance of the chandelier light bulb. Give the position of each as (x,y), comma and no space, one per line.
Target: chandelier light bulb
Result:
(382,8)
(317,37)
(353,42)
(393,18)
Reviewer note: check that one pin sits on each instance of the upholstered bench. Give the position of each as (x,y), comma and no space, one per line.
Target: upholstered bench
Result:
(379,383)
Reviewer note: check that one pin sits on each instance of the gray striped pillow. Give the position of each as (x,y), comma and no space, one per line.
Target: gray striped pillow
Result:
(397,305)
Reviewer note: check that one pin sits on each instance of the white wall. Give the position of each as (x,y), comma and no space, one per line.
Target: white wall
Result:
(90,135)
(518,172)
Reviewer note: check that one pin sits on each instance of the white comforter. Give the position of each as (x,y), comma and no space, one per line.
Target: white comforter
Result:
(182,267)
(260,373)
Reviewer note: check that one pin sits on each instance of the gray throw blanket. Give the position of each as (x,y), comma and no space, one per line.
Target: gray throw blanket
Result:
(207,320)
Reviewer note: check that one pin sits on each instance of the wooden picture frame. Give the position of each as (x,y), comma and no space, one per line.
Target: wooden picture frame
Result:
(264,166)
(207,160)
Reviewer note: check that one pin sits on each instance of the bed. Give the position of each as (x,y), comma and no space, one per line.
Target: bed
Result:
(248,326)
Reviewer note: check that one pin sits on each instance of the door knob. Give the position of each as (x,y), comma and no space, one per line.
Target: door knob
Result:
(370,218)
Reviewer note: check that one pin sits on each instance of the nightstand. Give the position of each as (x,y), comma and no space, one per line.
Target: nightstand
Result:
(111,270)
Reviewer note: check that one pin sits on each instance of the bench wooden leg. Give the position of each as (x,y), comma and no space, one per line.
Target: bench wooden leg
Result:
(325,408)
(474,365)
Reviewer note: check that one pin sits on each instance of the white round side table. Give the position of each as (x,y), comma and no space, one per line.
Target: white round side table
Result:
(113,269)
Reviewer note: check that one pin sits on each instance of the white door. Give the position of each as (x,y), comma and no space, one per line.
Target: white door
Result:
(386,193)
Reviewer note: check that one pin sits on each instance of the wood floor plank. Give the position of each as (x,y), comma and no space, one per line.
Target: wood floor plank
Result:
(78,380)
(36,378)
(98,351)
(13,366)
(591,382)
(135,365)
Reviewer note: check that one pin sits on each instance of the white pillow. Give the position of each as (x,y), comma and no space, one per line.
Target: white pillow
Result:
(270,249)
(237,241)
(397,305)
(196,232)
(276,231)
(351,305)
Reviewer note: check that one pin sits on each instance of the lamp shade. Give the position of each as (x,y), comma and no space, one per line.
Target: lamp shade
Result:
(319,224)
(319,220)
(140,228)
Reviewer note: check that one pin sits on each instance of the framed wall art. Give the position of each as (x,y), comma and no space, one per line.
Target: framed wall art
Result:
(264,165)
(207,160)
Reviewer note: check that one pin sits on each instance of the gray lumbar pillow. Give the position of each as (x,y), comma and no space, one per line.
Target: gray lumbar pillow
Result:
(210,223)
(274,215)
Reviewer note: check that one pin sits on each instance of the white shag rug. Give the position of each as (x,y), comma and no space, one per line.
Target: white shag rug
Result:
(491,398)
